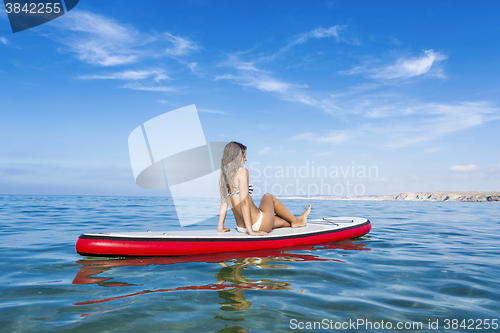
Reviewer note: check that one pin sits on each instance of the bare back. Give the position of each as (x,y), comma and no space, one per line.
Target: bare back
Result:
(241,185)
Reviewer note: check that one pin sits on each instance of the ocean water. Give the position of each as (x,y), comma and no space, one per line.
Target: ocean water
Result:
(433,263)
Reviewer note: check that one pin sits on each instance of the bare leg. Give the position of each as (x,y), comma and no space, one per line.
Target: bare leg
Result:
(302,218)
(283,212)
(281,223)
(269,206)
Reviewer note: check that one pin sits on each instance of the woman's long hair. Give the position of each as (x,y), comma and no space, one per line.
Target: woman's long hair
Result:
(232,160)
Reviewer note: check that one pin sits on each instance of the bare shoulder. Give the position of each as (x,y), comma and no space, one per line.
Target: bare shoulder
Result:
(242,173)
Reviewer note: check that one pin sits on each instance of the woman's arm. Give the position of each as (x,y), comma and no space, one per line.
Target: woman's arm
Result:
(222,217)
(245,202)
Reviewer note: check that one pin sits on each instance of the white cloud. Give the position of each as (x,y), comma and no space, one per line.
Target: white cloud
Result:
(321,32)
(193,66)
(137,86)
(464,168)
(158,74)
(403,68)
(334,137)
(264,151)
(250,76)
(211,111)
(4,40)
(303,136)
(416,122)
(181,45)
(102,41)
(405,121)
(316,34)
(390,120)
(302,38)
(394,121)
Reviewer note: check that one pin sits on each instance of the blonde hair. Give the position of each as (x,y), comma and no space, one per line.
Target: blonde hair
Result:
(232,160)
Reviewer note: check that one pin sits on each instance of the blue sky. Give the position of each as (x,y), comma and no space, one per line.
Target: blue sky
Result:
(408,89)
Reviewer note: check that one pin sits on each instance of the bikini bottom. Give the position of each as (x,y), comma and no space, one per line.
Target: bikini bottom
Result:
(255,226)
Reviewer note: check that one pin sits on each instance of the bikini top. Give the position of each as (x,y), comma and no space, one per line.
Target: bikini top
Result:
(250,190)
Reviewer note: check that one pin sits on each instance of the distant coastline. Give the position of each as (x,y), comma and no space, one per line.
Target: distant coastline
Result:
(466,196)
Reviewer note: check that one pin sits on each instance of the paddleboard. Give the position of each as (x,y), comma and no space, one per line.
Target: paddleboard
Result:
(193,242)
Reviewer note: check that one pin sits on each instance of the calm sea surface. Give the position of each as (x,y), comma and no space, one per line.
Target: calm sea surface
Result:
(422,262)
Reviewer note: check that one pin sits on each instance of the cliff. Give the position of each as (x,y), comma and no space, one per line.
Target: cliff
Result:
(449,196)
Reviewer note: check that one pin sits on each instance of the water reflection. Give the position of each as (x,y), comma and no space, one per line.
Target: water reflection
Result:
(231,283)
(234,299)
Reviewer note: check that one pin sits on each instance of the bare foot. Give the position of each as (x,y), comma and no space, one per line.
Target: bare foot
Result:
(302,219)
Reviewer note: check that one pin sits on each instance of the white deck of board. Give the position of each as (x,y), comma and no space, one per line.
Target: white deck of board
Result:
(313,226)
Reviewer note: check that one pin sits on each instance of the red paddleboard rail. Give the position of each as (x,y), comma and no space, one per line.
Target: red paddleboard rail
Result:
(114,246)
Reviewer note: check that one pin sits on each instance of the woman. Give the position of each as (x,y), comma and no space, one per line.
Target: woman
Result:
(234,191)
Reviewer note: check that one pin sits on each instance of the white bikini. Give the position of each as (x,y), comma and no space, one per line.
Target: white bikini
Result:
(256,225)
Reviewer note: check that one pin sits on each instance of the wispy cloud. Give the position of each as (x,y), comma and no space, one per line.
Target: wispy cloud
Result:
(303,38)
(102,41)
(157,74)
(193,66)
(259,80)
(138,86)
(264,151)
(463,168)
(211,111)
(331,138)
(423,122)
(4,40)
(325,104)
(315,34)
(181,45)
(402,122)
(249,75)
(403,68)
(407,121)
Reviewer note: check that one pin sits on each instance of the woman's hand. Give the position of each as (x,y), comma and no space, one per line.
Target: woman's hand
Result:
(258,233)
(223,229)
